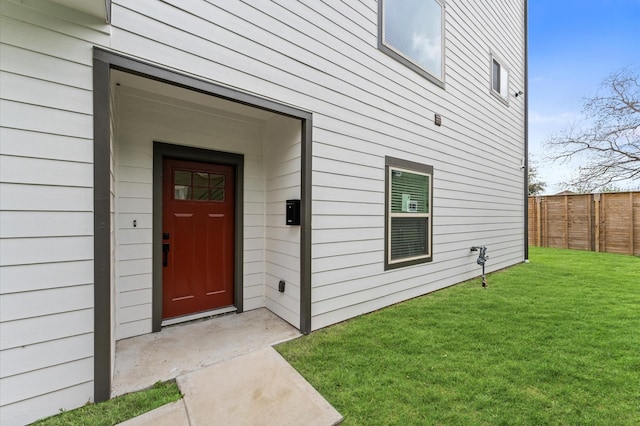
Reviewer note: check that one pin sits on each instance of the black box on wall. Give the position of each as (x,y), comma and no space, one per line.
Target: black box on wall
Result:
(293,212)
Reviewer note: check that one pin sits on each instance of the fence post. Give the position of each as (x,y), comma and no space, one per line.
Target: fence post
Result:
(603,205)
(566,221)
(596,200)
(590,222)
(631,248)
(546,224)
(538,222)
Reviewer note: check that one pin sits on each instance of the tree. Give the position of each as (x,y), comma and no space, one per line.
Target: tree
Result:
(608,147)
(536,186)
(588,188)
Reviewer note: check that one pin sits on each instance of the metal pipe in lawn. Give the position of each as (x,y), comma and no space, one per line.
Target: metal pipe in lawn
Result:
(482,258)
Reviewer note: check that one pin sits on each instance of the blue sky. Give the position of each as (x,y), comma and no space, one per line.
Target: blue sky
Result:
(573,46)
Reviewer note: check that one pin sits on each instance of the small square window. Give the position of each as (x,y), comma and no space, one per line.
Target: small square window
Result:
(499,80)
(200,193)
(411,31)
(182,177)
(200,178)
(495,84)
(182,192)
(408,213)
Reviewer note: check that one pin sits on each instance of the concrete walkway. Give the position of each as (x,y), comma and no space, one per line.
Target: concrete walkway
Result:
(228,372)
(259,388)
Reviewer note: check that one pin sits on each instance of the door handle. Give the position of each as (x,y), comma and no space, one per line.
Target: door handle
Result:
(165,254)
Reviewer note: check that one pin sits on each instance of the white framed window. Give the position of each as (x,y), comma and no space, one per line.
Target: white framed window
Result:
(499,79)
(408,224)
(412,32)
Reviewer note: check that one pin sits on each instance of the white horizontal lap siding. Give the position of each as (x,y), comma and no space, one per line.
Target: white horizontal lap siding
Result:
(143,118)
(254,232)
(323,57)
(46,209)
(282,157)
(48,404)
(267,65)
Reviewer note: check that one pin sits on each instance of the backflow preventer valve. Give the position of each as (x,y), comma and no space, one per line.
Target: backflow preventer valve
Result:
(482,258)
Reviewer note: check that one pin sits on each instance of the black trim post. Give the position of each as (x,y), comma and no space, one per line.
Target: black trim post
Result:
(526,131)
(305,232)
(156,246)
(102,231)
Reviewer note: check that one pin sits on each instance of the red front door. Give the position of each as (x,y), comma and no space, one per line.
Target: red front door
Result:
(198,237)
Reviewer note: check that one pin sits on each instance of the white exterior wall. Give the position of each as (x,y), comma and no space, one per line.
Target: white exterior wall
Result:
(318,56)
(46,208)
(282,151)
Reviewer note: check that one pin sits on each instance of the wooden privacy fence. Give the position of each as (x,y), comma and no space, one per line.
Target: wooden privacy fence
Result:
(607,222)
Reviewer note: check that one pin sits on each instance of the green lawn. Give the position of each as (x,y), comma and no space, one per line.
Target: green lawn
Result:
(118,409)
(554,341)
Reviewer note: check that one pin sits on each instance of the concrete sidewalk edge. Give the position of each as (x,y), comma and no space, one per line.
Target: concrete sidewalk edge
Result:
(172,414)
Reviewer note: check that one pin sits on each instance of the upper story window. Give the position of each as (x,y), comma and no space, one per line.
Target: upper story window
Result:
(499,80)
(411,31)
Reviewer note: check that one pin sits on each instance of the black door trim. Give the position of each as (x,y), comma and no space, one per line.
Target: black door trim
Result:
(179,152)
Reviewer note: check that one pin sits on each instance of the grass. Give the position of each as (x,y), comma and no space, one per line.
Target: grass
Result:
(554,341)
(118,409)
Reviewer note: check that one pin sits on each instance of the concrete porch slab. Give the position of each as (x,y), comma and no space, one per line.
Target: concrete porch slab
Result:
(143,360)
(259,388)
